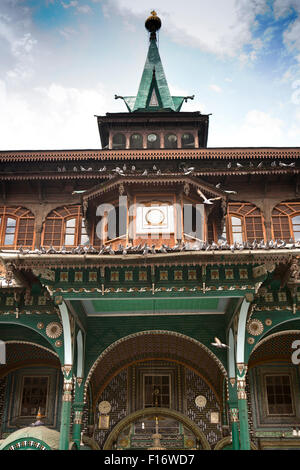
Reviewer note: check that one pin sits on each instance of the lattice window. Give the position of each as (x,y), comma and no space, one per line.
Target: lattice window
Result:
(157,390)
(279,395)
(65,227)
(244,222)
(16,227)
(34,395)
(286,221)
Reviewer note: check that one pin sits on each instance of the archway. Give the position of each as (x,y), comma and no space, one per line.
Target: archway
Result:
(195,438)
(187,376)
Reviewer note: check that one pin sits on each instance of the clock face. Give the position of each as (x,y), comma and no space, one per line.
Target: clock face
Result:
(152,137)
(200,401)
(104,407)
(155,217)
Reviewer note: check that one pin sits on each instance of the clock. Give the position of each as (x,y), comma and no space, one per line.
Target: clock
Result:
(155,217)
(104,407)
(200,401)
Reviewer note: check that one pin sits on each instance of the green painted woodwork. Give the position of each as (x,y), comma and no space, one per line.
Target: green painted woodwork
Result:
(76,431)
(30,322)
(235,436)
(64,437)
(103,332)
(282,320)
(244,426)
(154,305)
(27,443)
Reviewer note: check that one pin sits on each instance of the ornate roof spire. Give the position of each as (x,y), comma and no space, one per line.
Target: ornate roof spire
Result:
(153,93)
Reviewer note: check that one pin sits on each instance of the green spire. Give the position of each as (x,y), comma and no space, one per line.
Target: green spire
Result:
(153,93)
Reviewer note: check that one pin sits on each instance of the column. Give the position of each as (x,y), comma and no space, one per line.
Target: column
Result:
(234,419)
(64,439)
(243,406)
(234,413)
(78,407)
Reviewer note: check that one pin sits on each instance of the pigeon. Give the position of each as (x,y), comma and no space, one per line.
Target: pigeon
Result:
(102,169)
(229,165)
(188,171)
(205,200)
(218,186)
(273,164)
(239,165)
(79,191)
(145,173)
(260,165)
(75,168)
(119,171)
(287,164)
(219,344)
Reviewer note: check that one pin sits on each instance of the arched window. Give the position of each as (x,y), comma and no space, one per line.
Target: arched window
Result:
(286,221)
(244,223)
(153,141)
(65,227)
(136,141)
(119,141)
(171,141)
(187,141)
(16,227)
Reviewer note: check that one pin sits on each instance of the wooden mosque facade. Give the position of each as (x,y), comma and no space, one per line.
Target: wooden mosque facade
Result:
(150,290)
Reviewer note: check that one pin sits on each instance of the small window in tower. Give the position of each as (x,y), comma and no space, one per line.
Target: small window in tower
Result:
(152,141)
(296,227)
(153,100)
(136,141)
(10,231)
(171,141)
(187,141)
(119,141)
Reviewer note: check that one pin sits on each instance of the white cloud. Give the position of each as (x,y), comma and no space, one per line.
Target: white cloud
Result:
(258,129)
(72,4)
(84,9)
(215,88)
(67,32)
(51,117)
(218,27)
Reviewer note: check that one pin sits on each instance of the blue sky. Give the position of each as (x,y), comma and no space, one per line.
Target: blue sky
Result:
(63,61)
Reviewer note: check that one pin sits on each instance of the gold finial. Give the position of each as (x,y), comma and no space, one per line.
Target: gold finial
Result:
(153,23)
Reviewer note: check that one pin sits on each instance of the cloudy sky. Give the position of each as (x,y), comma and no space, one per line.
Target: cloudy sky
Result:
(63,61)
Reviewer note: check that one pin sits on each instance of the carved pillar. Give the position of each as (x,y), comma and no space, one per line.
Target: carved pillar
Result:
(234,419)
(78,412)
(233,412)
(66,408)
(243,406)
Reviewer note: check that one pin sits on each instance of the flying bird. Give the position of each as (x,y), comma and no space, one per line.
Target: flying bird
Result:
(219,344)
(205,200)
(81,191)
(218,186)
